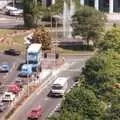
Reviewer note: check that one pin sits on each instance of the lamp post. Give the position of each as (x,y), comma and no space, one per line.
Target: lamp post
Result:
(27,45)
(57,17)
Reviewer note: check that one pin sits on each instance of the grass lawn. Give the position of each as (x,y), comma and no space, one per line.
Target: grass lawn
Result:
(6,31)
(18,41)
(68,51)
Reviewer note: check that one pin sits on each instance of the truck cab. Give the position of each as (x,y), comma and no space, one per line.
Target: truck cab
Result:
(26,70)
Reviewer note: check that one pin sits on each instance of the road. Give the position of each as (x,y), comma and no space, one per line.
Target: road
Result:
(41,98)
(10,22)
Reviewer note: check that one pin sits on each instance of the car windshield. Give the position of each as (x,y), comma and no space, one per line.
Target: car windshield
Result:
(4,66)
(32,62)
(34,111)
(24,69)
(57,87)
(7,95)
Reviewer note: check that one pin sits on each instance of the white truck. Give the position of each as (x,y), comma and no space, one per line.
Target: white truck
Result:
(59,87)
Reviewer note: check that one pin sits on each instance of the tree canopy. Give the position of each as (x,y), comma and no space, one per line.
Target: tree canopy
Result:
(88,23)
(111,40)
(41,35)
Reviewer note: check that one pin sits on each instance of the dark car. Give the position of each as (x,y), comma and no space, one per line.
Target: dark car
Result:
(13,52)
(4,67)
(3,106)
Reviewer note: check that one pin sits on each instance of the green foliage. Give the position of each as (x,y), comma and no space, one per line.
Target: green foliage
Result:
(41,35)
(99,70)
(113,113)
(81,104)
(88,23)
(111,40)
(28,16)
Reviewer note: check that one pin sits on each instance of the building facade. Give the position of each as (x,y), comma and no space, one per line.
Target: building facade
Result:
(103,5)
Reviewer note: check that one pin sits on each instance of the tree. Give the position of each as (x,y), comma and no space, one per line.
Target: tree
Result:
(35,12)
(80,104)
(41,35)
(102,68)
(111,40)
(28,6)
(88,23)
(113,113)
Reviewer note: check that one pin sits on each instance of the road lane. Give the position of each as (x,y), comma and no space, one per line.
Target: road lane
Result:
(47,103)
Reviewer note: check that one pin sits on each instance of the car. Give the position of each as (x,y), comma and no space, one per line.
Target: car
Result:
(3,106)
(13,52)
(4,67)
(26,70)
(17,12)
(14,88)
(19,82)
(8,9)
(35,113)
(8,97)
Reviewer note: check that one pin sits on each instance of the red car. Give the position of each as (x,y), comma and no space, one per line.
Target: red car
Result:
(35,113)
(14,88)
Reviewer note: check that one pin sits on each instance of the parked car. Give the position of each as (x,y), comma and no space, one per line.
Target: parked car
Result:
(14,88)
(17,12)
(26,70)
(13,52)
(8,9)
(4,67)
(8,97)
(3,106)
(35,113)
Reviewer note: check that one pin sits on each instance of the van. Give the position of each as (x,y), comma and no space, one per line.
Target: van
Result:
(59,87)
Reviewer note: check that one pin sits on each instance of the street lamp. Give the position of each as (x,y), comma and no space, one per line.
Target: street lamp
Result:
(27,43)
(57,17)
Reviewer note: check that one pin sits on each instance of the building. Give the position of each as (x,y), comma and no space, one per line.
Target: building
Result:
(103,5)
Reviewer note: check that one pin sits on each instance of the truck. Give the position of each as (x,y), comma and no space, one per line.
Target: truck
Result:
(34,54)
(59,86)
(26,70)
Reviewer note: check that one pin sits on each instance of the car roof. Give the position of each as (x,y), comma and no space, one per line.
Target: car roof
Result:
(8,93)
(5,65)
(24,66)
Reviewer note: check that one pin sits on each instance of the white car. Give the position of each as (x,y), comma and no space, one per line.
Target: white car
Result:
(8,97)
(7,8)
(17,12)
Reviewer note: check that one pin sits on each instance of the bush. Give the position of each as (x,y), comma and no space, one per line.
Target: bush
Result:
(41,35)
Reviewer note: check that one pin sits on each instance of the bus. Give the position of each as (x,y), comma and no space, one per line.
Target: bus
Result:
(34,54)
(59,87)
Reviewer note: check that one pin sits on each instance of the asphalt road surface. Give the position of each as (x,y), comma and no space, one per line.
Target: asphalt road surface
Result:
(10,22)
(9,77)
(41,97)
